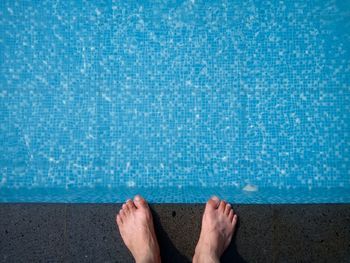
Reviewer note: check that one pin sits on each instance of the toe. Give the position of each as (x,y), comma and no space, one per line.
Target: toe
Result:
(222,206)
(125,209)
(213,203)
(140,202)
(234,220)
(230,215)
(227,209)
(119,220)
(130,205)
(122,215)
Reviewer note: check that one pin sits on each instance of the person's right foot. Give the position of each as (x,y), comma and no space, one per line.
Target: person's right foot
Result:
(218,225)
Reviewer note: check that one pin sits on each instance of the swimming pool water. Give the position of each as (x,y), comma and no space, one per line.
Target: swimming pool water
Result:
(176,100)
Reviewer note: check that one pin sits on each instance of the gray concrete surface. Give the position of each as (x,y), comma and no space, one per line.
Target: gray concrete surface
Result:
(87,233)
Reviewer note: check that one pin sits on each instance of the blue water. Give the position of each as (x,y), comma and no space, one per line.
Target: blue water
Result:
(176,100)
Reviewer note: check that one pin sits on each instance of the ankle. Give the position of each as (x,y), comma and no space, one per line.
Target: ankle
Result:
(148,257)
(205,258)
(205,255)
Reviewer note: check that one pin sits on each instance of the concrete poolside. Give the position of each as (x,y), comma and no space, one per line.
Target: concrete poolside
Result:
(87,233)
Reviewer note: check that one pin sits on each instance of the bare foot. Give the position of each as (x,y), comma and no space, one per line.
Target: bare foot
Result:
(218,225)
(136,228)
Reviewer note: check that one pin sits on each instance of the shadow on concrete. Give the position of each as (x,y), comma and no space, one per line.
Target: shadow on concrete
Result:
(168,252)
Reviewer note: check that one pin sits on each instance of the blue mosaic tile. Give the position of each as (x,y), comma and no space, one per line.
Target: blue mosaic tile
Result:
(175,99)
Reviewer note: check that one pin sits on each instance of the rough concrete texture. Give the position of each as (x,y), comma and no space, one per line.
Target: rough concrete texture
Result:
(87,233)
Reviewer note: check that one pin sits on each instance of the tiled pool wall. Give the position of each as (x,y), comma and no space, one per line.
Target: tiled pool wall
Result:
(170,195)
(176,100)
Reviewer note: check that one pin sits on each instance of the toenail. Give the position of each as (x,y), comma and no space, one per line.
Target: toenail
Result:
(137,198)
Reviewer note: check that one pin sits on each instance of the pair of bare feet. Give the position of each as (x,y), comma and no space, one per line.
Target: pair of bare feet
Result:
(137,230)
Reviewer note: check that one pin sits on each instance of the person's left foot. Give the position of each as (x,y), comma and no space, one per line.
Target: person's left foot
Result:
(218,225)
(136,228)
